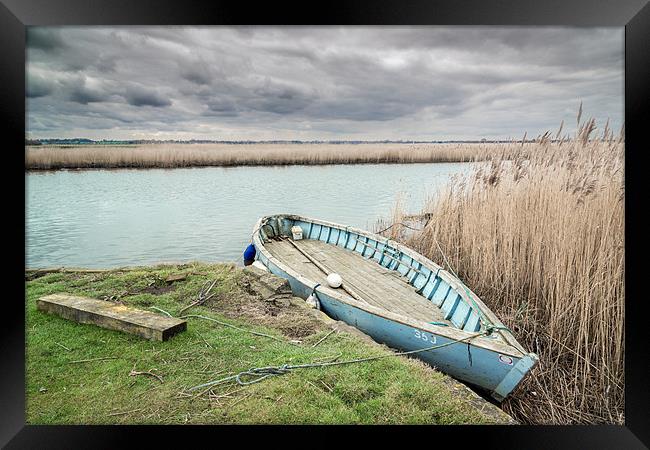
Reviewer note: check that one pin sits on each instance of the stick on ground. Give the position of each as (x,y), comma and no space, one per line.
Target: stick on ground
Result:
(93,359)
(323,338)
(134,373)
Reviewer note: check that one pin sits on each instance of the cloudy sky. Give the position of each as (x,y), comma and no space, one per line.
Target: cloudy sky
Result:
(373,83)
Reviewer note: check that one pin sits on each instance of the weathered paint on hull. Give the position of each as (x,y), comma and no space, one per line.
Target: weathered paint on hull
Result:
(498,373)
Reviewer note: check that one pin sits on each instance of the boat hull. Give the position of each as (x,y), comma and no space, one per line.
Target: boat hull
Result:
(470,361)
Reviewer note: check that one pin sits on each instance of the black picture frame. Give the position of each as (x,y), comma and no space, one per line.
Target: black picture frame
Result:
(15,15)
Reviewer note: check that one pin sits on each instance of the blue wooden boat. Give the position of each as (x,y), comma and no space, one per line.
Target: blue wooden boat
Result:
(397,296)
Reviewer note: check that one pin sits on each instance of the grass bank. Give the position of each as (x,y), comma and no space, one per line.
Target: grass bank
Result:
(82,374)
(540,238)
(196,155)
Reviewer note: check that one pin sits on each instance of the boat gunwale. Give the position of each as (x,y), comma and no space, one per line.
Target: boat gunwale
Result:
(504,347)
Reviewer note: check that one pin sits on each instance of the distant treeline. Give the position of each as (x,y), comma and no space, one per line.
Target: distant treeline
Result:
(84,141)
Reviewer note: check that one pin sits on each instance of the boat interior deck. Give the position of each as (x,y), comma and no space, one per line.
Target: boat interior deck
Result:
(375,284)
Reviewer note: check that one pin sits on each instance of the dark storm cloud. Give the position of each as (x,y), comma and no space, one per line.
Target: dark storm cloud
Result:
(319,82)
(140,96)
(38,86)
(221,107)
(198,76)
(83,95)
(278,98)
(197,72)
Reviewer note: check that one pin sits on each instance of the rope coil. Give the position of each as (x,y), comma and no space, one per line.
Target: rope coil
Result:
(261,373)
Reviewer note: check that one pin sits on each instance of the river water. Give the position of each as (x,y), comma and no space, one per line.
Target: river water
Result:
(115,218)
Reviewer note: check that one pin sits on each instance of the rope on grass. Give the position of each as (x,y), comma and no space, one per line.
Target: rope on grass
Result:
(204,295)
(236,328)
(262,373)
(161,310)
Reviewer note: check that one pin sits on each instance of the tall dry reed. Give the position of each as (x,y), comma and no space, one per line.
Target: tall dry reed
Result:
(188,155)
(540,238)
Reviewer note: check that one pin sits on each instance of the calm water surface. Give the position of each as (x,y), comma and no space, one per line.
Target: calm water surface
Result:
(114,218)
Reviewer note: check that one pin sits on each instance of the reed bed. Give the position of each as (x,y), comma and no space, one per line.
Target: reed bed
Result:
(189,155)
(540,238)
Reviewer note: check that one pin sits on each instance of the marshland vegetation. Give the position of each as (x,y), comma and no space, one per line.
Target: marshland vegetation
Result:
(258,154)
(539,235)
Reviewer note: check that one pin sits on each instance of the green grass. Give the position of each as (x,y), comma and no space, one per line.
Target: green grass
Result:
(390,390)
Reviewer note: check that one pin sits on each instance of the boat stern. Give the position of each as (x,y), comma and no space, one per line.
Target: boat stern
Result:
(515,376)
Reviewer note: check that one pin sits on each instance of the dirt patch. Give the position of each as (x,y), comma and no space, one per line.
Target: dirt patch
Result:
(157,290)
(293,323)
(289,319)
(267,304)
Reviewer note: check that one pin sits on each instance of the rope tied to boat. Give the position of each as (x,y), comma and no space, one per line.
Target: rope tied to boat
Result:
(402,224)
(489,326)
(313,298)
(262,225)
(262,373)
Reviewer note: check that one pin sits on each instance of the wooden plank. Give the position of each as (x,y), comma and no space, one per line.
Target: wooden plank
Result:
(377,285)
(327,271)
(389,280)
(300,262)
(393,293)
(112,316)
(361,272)
(386,255)
(349,275)
(177,277)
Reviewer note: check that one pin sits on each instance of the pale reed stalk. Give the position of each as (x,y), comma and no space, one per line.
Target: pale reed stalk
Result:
(540,238)
(188,155)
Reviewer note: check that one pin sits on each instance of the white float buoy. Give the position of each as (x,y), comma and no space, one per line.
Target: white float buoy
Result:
(334,280)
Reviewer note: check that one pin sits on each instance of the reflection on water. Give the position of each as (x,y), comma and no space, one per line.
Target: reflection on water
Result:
(109,218)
